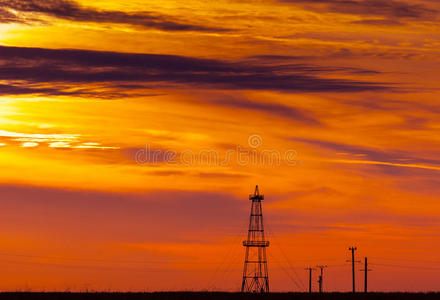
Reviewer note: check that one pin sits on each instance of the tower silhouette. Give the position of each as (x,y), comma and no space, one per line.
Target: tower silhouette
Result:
(255,273)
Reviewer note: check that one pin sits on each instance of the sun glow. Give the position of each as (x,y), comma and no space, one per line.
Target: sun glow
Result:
(132,132)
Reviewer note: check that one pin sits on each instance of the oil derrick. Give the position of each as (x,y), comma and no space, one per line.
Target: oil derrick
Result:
(255,273)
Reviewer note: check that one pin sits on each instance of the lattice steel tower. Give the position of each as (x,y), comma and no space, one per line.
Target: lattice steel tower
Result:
(255,274)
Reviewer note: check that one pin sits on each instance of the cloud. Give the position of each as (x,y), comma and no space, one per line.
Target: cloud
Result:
(69,10)
(385,8)
(368,155)
(357,220)
(10,89)
(271,57)
(378,22)
(276,109)
(38,68)
(8,17)
(104,92)
(282,62)
(293,212)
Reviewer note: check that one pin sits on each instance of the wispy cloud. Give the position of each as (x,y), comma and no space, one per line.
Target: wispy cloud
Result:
(383,163)
(391,9)
(70,10)
(271,108)
(378,22)
(36,68)
(52,140)
(372,156)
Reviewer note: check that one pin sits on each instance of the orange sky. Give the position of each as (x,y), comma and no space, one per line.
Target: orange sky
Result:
(131,135)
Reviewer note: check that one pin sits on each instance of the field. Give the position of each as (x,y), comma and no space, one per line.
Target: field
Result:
(209,296)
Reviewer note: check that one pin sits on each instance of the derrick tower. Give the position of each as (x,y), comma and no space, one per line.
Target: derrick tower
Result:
(255,273)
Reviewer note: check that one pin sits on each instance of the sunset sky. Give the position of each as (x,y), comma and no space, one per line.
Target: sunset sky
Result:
(132,132)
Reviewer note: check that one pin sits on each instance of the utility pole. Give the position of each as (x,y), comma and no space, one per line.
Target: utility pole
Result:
(352,249)
(321,277)
(310,278)
(366,270)
(255,273)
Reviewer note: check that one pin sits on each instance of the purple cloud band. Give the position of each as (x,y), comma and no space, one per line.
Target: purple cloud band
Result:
(36,68)
(70,10)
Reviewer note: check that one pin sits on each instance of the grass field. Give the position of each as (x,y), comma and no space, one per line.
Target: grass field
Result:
(210,295)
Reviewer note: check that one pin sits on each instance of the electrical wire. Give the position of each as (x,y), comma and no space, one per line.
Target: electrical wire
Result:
(405,266)
(270,231)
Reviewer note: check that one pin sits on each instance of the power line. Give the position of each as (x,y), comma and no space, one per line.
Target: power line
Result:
(140,269)
(274,239)
(230,253)
(406,266)
(88,259)
(287,273)
(337,266)
(406,260)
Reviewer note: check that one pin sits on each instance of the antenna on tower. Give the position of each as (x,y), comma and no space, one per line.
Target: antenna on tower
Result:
(255,273)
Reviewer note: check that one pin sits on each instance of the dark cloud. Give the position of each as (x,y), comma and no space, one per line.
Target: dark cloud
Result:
(37,66)
(24,88)
(10,89)
(69,10)
(386,8)
(282,63)
(8,17)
